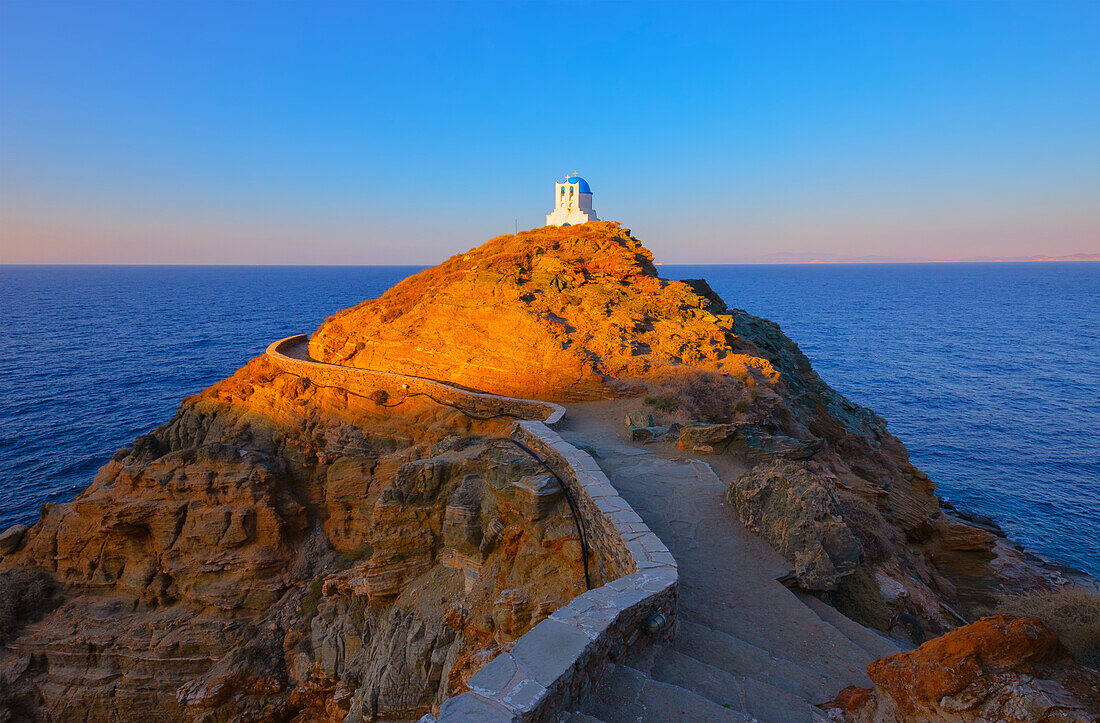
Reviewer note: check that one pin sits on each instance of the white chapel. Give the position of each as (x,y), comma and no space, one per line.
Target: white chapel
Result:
(573,203)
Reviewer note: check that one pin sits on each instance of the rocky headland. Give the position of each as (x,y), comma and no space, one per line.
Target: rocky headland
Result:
(286,548)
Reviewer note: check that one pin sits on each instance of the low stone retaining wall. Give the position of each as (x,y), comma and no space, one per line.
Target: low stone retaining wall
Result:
(559,660)
(367,381)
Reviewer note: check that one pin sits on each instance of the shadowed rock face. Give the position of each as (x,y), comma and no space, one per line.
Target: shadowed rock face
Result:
(280,550)
(999,668)
(801,517)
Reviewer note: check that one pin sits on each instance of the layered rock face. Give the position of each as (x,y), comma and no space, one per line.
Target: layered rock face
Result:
(997,669)
(278,551)
(802,519)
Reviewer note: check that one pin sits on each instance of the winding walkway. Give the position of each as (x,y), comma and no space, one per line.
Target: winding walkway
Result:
(745,647)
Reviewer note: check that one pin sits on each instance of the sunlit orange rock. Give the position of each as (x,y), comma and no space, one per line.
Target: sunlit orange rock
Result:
(284,550)
(997,669)
(555,313)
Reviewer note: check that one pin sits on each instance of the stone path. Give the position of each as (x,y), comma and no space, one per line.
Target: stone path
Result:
(746,648)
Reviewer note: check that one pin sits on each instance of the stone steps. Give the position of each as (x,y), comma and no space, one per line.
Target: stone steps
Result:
(746,647)
(748,695)
(876,644)
(726,652)
(578,717)
(626,695)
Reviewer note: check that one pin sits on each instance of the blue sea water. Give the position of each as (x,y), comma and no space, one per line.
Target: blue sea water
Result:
(990,373)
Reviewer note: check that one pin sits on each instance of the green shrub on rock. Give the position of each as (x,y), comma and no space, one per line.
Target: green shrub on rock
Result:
(858,596)
(25,596)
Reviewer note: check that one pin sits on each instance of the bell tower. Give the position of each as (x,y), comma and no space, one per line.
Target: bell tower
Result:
(572,203)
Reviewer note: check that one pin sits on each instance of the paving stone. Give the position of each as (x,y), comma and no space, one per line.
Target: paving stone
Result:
(625,517)
(629,581)
(629,598)
(473,708)
(495,676)
(549,649)
(607,505)
(525,695)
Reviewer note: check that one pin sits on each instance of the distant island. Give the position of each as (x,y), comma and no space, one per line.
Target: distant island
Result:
(796,257)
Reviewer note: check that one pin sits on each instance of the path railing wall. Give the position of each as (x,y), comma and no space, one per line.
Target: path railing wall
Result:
(558,661)
(368,381)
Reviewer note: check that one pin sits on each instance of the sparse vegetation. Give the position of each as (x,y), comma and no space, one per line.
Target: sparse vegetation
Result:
(312,598)
(702,396)
(858,597)
(25,596)
(1073,614)
(662,402)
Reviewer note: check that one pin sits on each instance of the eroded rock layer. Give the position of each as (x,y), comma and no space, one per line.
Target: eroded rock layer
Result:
(280,550)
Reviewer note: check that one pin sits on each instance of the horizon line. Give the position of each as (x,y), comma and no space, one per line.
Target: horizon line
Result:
(893,262)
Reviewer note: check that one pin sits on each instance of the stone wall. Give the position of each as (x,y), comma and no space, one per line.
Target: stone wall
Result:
(291,355)
(559,660)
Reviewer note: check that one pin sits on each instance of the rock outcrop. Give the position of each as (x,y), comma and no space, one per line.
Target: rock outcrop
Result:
(285,551)
(559,313)
(290,550)
(997,669)
(802,519)
(579,313)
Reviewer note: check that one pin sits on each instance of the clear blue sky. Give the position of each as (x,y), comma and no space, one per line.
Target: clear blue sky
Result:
(388,133)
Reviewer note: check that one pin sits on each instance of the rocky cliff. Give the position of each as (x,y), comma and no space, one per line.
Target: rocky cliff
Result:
(280,550)
(580,313)
(284,550)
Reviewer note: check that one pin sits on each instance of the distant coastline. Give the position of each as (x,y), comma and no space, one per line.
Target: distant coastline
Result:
(776,259)
(803,258)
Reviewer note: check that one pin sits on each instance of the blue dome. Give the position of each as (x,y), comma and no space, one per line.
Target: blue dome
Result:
(581,182)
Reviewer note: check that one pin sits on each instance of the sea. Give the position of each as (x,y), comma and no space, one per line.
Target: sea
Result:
(989,373)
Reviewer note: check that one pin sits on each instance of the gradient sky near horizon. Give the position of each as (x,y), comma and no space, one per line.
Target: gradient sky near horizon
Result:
(379,133)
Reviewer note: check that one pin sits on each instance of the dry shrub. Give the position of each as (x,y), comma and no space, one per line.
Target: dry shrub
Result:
(859,597)
(703,396)
(867,524)
(25,596)
(1072,613)
(662,402)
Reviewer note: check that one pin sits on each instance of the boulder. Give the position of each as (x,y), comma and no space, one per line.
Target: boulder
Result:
(705,437)
(999,668)
(756,444)
(537,495)
(11,538)
(798,513)
(639,419)
(643,434)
